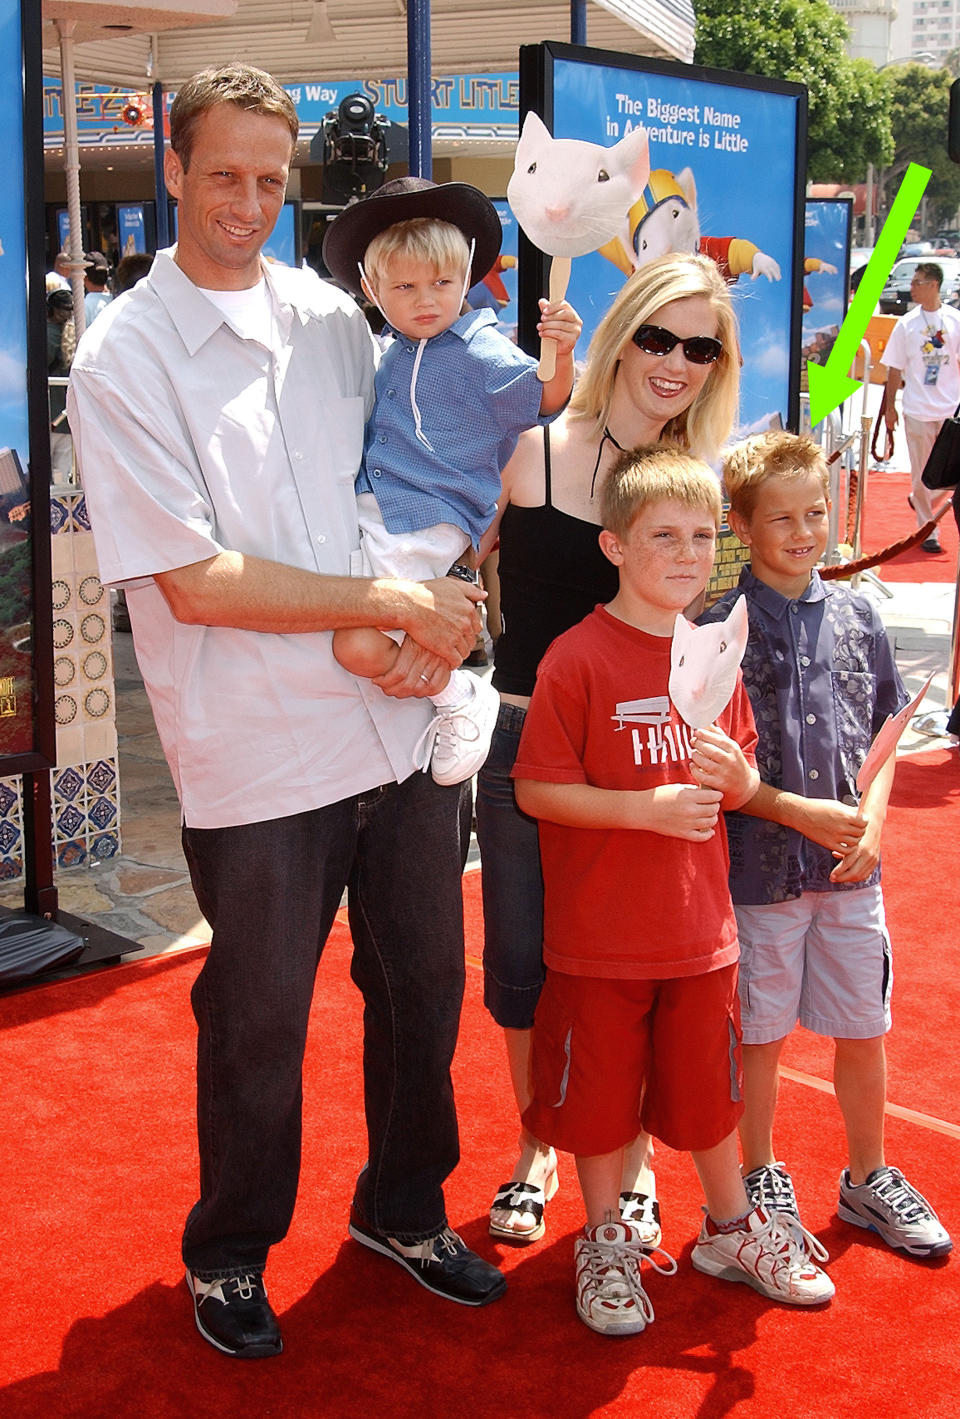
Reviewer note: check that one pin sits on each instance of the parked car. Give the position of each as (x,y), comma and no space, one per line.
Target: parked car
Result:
(895,296)
(859,258)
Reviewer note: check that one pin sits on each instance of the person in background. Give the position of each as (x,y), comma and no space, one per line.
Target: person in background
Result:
(96,285)
(58,279)
(61,344)
(924,353)
(130,270)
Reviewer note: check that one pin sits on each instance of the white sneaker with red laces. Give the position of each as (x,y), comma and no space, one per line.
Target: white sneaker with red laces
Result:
(610,1296)
(769,1252)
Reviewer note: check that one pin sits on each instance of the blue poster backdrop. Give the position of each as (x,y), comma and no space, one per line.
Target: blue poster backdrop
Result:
(826,274)
(18,688)
(498,290)
(131,230)
(282,243)
(13,256)
(725,179)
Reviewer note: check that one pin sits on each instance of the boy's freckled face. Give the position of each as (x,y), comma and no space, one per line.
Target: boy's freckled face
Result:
(787,531)
(665,560)
(418,299)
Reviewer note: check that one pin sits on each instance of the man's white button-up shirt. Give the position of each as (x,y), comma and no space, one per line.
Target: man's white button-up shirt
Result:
(191,441)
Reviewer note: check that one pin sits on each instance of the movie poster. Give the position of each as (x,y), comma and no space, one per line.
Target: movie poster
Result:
(498,289)
(281,245)
(826,275)
(727,159)
(16,557)
(131,230)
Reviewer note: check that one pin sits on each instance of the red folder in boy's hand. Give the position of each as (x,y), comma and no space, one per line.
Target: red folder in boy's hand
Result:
(887,739)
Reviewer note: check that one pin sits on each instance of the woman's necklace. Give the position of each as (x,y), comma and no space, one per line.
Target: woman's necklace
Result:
(596,467)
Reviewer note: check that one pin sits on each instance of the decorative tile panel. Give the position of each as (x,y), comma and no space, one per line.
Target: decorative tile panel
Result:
(68,784)
(59,516)
(81,518)
(85,787)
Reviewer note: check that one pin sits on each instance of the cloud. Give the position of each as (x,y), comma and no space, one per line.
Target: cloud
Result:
(831,303)
(769,360)
(12,383)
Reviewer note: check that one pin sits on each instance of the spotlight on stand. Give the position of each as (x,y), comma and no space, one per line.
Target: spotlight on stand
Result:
(352,145)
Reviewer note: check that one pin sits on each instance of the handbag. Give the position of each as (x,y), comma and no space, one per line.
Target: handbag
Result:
(942,468)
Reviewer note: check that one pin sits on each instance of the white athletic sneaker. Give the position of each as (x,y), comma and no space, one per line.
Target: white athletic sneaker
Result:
(610,1296)
(456,742)
(771,1187)
(769,1252)
(888,1205)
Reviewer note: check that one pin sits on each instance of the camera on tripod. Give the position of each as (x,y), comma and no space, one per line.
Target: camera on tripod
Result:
(353,149)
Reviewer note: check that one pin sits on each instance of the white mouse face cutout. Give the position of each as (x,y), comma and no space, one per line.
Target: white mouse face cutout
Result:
(570,197)
(704,661)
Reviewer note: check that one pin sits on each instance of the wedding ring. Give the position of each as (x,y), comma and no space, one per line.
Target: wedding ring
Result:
(425,677)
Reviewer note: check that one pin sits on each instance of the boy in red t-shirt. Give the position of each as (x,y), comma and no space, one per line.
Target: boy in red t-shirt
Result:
(639,1016)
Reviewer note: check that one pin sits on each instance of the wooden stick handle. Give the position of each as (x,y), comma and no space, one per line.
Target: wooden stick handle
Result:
(557,287)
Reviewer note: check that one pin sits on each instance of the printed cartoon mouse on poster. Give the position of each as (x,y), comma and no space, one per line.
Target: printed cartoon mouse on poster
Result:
(634,158)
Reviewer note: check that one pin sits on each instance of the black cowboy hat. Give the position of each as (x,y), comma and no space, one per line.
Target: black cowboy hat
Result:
(350,233)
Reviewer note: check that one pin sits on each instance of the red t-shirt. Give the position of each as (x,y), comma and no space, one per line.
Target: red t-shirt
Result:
(622,903)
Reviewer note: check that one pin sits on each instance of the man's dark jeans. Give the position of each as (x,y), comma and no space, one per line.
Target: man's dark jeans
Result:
(270,892)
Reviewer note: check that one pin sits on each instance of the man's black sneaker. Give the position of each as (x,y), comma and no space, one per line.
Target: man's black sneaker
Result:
(444,1264)
(233,1313)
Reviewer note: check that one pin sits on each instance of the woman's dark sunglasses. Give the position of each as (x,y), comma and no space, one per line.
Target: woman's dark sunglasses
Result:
(699,350)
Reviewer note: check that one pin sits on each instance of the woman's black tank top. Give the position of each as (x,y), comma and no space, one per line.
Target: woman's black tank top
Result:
(552,574)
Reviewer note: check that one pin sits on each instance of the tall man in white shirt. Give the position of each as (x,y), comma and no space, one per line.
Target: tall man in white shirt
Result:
(924,351)
(219,411)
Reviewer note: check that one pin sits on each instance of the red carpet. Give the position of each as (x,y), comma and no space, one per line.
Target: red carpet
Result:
(100,1168)
(888,517)
(923,910)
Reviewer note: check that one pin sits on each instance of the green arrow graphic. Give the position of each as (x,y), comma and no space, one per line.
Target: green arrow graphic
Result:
(830,384)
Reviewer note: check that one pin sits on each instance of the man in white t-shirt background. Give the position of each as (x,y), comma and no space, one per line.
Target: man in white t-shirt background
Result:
(924,352)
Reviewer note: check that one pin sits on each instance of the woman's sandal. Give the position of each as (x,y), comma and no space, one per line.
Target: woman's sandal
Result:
(523,1197)
(643,1213)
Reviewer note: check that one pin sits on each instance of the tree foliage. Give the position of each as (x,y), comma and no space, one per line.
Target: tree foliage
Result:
(920,102)
(804,41)
(15,584)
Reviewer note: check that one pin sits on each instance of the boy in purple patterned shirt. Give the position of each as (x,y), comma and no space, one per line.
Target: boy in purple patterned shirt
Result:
(805,863)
